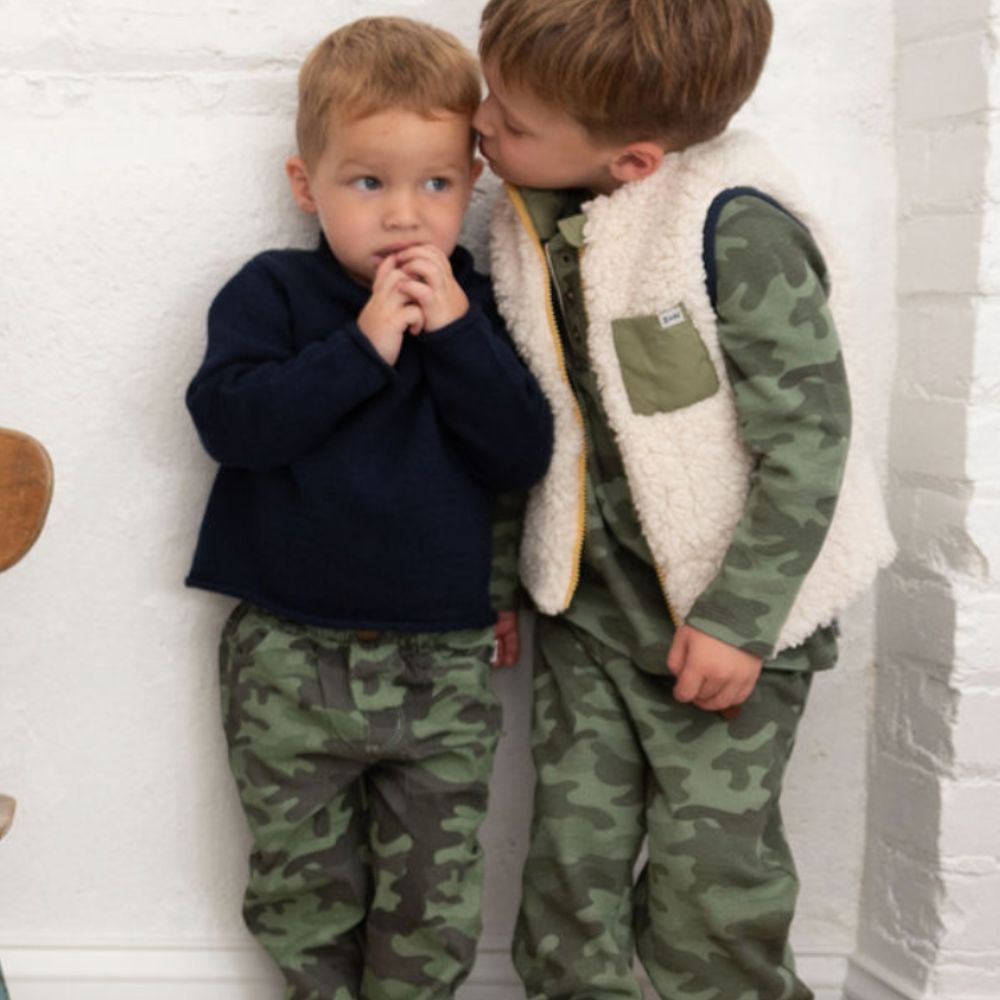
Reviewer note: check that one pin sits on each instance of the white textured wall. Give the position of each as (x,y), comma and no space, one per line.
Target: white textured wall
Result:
(932,893)
(141,162)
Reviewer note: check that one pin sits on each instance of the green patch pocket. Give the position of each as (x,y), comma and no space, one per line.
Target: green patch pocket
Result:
(664,363)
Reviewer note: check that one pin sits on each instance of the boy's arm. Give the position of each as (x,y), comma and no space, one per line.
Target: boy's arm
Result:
(784,362)
(490,402)
(255,402)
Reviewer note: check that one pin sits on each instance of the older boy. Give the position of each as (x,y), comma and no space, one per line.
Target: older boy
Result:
(365,406)
(703,515)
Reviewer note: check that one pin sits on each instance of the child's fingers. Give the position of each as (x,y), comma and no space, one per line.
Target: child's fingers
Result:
(725,697)
(413,318)
(677,656)
(510,646)
(688,685)
(507,639)
(384,271)
(426,252)
(417,291)
(426,271)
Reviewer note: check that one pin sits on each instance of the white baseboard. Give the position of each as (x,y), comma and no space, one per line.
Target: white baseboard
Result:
(237,972)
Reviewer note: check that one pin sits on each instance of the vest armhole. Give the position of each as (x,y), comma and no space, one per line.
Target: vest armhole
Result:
(715,211)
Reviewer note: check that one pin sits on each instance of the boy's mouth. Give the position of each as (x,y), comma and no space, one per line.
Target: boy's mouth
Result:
(388,251)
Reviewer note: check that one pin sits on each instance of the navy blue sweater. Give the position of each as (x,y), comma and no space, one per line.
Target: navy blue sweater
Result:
(353,493)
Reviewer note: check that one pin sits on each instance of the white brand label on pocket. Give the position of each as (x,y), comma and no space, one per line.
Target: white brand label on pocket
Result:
(671,317)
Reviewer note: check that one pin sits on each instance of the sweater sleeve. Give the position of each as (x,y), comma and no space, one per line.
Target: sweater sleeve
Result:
(489,401)
(256,402)
(784,362)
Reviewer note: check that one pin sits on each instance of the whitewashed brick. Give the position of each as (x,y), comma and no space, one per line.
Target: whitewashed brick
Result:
(940,254)
(922,513)
(977,639)
(990,253)
(970,820)
(983,521)
(905,807)
(943,78)
(983,453)
(943,169)
(916,619)
(961,975)
(900,895)
(986,381)
(926,19)
(971,914)
(976,740)
(928,436)
(937,345)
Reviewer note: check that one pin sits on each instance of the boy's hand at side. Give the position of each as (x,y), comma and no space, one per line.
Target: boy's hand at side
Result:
(430,283)
(390,311)
(710,673)
(508,639)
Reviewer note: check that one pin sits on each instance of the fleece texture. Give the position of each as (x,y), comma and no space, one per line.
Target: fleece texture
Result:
(688,471)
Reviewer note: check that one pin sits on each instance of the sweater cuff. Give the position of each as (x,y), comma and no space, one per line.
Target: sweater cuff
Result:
(432,338)
(367,348)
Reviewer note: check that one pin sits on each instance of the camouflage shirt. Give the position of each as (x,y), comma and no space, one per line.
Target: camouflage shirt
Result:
(783,359)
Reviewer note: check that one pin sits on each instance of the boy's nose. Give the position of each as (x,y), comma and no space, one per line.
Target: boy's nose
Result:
(401,212)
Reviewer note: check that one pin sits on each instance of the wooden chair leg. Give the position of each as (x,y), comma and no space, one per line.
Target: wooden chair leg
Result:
(7,805)
(25,492)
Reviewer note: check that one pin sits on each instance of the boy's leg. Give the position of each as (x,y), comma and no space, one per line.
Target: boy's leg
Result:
(290,725)
(573,938)
(427,800)
(716,899)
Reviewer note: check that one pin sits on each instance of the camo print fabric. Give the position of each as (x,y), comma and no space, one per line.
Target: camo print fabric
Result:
(790,386)
(505,584)
(617,758)
(362,766)
(784,361)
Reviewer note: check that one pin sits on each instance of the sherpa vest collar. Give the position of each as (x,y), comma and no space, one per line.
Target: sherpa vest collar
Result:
(687,470)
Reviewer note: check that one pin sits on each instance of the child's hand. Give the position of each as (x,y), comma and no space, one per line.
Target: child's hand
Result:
(431,284)
(508,639)
(390,311)
(711,673)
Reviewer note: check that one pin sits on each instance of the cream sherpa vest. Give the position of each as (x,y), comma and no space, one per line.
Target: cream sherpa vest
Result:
(687,470)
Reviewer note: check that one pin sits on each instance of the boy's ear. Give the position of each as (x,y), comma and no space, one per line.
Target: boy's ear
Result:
(636,160)
(477,169)
(298,178)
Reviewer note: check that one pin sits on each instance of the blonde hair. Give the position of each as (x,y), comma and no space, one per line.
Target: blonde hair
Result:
(670,70)
(376,63)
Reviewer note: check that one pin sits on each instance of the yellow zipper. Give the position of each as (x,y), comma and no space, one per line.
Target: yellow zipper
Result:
(522,211)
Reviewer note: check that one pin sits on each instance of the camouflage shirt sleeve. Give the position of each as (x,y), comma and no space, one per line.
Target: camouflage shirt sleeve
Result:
(784,362)
(508,516)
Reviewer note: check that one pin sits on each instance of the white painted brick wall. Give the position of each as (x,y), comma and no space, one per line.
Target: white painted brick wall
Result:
(932,892)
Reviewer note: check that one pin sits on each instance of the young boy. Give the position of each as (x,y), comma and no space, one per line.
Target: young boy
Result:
(365,407)
(703,516)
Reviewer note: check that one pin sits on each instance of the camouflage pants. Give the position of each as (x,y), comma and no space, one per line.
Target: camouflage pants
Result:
(618,762)
(362,763)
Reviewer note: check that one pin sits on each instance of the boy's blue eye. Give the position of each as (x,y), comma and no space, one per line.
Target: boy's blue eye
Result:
(367,183)
(438,184)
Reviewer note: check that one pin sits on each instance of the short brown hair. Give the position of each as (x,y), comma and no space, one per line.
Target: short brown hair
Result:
(669,70)
(376,63)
